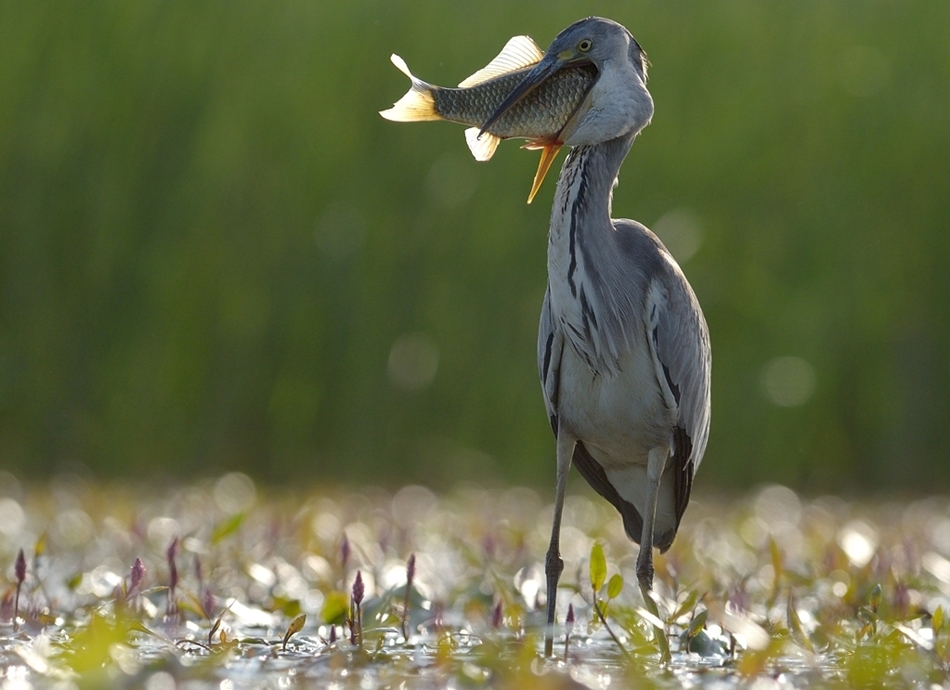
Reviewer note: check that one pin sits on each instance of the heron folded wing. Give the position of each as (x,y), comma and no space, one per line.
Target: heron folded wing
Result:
(550,347)
(683,472)
(679,340)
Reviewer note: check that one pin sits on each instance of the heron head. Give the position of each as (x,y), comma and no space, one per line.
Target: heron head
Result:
(618,103)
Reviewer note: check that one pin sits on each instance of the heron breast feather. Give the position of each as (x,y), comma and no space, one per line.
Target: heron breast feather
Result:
(619,416)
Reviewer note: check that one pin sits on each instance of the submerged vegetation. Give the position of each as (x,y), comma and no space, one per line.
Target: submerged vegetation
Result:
(205,585)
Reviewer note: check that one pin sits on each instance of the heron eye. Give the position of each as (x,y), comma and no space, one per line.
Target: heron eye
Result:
(585,45)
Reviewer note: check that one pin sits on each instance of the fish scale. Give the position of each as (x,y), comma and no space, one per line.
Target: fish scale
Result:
(543,113)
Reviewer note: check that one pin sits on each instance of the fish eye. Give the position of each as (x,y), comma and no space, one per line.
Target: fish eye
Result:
(585,45)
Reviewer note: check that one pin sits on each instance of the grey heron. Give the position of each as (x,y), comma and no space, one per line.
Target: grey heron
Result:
(623,347)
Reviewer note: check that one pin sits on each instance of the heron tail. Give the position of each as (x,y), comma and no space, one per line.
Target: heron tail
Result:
(419,102)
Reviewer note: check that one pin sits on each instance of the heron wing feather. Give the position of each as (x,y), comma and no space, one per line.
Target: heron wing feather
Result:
(550,346)
(679,342)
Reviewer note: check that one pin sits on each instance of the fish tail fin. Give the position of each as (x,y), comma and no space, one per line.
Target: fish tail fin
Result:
(419,102)
(482,147)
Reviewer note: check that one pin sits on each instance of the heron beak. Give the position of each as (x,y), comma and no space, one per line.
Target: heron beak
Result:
(534,78)
(548,66)
(548,154)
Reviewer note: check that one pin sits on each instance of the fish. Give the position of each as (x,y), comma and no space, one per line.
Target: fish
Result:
(539,117)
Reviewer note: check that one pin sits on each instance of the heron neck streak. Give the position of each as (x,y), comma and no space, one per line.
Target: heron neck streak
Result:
(581,237)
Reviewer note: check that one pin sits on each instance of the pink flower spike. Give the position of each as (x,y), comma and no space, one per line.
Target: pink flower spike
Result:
(137,575)
(358,589)
(20,571)
(20,567)
(172,567)
(496,616)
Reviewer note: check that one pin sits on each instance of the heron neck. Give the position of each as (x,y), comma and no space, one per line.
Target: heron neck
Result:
(585,185)
(582,256)
(580,218)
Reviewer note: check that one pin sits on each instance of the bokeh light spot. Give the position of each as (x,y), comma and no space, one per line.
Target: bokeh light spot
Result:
(234,492)
(413,362)
(161,681)
(162,530)
(340,231)
(72,528)
(681,231)
(412,504)
(451,181)
(12,517)
(859,541)
(788,381)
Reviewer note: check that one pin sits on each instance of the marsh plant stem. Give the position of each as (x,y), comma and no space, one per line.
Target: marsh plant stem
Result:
(610,630)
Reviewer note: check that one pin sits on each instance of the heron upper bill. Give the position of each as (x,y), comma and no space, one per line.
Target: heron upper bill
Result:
(548,66)
(532,80)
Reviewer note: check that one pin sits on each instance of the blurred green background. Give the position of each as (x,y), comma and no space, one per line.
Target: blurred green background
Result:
(215,255)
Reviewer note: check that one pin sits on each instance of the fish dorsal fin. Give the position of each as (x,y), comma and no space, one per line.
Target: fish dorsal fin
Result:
(518,53)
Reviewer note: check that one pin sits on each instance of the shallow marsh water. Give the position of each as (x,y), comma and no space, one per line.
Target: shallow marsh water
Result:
(769,590)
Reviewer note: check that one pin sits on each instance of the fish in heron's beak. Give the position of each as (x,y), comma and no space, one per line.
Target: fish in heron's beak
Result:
(547,69)
(539,113)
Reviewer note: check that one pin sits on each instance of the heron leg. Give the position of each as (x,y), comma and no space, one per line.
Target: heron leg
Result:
(656,463)
(553,565)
